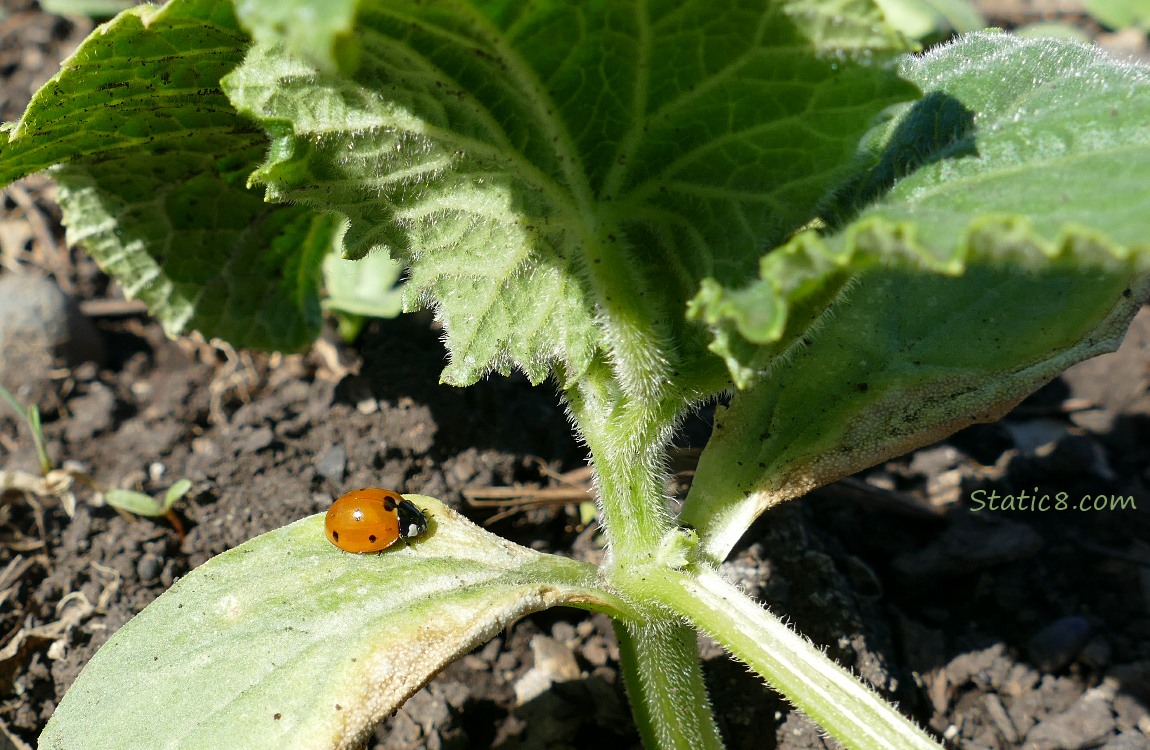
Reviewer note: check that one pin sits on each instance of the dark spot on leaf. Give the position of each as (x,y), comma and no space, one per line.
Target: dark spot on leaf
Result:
(863,387)
(1126,293)
(277,717)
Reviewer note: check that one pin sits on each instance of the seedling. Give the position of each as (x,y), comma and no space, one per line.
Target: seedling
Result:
(58,483)
(31,417)
(649,204)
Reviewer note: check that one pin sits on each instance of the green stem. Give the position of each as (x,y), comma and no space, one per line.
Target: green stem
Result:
(837,701)
(660,665)
(627,440)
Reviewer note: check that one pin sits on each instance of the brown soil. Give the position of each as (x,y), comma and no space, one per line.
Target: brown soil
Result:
(994,629)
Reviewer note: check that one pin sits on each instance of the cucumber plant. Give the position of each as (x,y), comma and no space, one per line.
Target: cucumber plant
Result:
(649,204)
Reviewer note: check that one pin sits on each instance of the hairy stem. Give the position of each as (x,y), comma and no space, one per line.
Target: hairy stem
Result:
(628,440)
(660,664)
(852,713)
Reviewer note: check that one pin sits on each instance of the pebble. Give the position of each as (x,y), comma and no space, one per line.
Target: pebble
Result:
(332,463)
(92,414)
(971,544)
(1128,740)
(1084,725)
(38,324)
(149,568)
(554,662)
(258,439)
(1053,647)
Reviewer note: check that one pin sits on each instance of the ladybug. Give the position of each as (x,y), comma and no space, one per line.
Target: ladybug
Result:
(371,520)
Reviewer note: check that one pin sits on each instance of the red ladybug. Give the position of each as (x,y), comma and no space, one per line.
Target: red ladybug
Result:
(371,520)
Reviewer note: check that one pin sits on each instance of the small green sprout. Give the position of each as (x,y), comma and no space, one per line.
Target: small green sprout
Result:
(59,482)
(31,417)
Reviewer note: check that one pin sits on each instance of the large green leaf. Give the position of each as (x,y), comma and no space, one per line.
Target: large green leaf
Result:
(560,176)
(288,642)
(1003,236)
(154,183)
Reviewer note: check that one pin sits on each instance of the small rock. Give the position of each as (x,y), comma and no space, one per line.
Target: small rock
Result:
(1085,724)
(258,439)
(91,414)
(1117,385)
(149,568)
(987,668)
(1036,437)
(1000,718)
(595,652)
(935,460)
(1128,740)
(554,662)
(1124,44)
(1055,646)
(564,632)
(1096,653)
(332,463)
(970,545)
(39,323)
(1129,712)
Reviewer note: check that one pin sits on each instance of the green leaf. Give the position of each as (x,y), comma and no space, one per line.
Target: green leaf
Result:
(932,19)
(175,492)
(322,33)
(993,255)
(549,214)
(288,642)
(134,502)
(153,187)
(1120,14)
(31,416)
(92,8)
(363,287)
(146,505)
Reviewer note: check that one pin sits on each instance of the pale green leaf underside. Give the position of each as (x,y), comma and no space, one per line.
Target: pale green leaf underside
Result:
(558,176)
(288,642)
(320,31)
(363,287)
(1012,244)
(153,183)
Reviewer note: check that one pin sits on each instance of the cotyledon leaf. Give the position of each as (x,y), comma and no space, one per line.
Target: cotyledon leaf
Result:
(559,176)
(286,641)
(1001,238)
(906,356)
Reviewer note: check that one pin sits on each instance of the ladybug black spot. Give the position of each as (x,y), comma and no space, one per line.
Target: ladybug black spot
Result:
(389,503)
(371,539)
(335,536)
